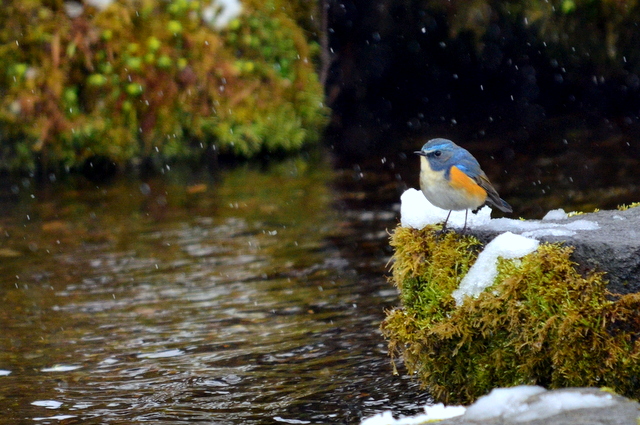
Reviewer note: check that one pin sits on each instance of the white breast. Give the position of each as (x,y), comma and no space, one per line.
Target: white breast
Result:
(438,191)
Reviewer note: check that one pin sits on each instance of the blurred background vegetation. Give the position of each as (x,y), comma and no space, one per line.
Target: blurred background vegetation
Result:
(129,81)
(486,70)
(156,81)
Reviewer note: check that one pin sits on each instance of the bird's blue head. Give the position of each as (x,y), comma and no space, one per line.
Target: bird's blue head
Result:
(440,153)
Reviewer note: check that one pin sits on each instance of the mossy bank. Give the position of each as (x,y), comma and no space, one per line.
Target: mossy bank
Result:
(152,79)
(542,322)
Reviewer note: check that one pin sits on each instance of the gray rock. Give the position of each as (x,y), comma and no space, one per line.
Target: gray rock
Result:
(608,241)
(569,406)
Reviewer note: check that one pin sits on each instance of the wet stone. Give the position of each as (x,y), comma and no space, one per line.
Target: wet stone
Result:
(569,406)
(613,246)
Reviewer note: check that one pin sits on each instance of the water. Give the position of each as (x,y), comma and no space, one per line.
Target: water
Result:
(252,295)
(249,296)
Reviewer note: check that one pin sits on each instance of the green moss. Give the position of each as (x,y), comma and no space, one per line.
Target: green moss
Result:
(151,78)
(271,49)
(624,207)
(431,269)
(541,322)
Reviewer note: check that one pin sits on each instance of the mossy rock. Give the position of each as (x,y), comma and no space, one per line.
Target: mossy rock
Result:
(152,79)
(541,323)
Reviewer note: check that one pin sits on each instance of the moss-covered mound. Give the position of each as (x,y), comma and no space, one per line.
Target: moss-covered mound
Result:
(542,322)
(151,78)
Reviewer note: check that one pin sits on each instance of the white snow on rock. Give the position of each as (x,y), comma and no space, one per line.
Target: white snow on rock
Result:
(516,404)
(417,212)
(484,271)
(434,413)
(518,239)
(508,405)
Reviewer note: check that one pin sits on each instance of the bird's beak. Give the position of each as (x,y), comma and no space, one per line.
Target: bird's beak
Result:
(420,153)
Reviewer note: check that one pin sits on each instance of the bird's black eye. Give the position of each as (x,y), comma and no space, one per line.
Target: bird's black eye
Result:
(437,153)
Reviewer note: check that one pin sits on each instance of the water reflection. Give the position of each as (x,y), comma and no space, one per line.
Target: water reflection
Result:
(249,296)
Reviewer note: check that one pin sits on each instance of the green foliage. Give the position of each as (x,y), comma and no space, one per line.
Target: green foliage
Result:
(272,130)
(271,49)
(150,78)
(541,322)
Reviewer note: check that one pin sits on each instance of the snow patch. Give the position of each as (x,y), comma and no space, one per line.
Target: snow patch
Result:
(436,412)
(484,271)
(517,404)
(502,401)
(220,12)
(558,214)
(417,212)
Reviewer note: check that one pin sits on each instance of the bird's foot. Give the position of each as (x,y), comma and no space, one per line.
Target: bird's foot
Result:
(444,231)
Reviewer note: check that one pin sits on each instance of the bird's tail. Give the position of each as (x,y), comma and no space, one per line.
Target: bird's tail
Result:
(500,204)
(496,201)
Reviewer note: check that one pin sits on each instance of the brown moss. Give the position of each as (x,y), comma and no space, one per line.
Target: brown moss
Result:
(151,79)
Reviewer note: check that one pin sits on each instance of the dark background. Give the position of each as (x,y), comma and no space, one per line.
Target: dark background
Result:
(557,114)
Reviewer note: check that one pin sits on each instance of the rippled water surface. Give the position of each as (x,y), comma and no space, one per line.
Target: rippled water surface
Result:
(250,295)
(247,296)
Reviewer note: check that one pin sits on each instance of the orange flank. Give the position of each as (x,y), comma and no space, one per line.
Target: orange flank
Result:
(459,180)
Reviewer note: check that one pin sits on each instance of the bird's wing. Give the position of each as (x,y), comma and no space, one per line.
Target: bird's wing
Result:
(472,169)
(461,180)
(492,195)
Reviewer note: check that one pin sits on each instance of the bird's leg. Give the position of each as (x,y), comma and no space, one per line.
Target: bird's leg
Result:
(465,220)
(444,226)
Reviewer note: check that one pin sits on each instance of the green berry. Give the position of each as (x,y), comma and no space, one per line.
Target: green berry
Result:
(134,89)
(164,62)
(134,63)
(153,43)
(97,80)
(174,27)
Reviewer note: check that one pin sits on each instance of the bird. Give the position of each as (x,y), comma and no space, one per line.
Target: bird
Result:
(451,179)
